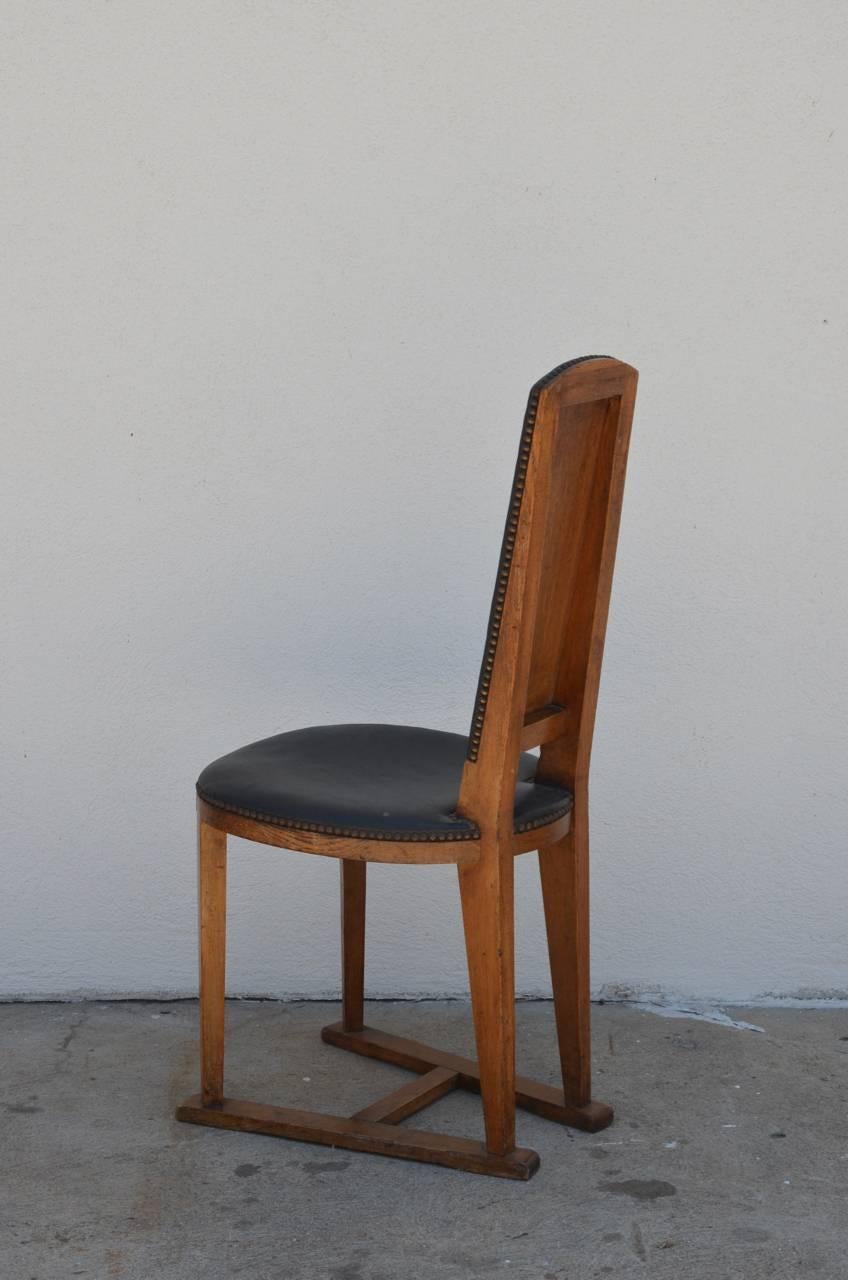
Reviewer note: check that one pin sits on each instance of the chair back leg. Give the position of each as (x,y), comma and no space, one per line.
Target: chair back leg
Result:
(353,943)
(564,869)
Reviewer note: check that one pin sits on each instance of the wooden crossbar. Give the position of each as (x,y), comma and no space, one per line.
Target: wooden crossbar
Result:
(410,1097)
(542,1099)
(377,1128)
(353,1134)
(544,724)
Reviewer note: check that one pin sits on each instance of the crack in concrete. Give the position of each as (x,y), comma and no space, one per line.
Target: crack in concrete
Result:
(702,1014)
(64,1049)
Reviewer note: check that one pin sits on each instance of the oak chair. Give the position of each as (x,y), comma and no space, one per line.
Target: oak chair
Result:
(386,793)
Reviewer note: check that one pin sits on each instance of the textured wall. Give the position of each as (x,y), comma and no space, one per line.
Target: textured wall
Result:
(278,277)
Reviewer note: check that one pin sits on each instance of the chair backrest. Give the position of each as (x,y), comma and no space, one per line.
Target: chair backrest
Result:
(541,664)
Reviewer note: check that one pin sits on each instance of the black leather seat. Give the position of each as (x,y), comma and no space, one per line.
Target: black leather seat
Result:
(371,781)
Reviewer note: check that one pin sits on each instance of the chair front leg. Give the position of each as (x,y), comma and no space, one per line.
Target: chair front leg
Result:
(212,902)
(486,890)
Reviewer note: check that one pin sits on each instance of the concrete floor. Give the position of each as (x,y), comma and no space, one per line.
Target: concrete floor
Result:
(729,1157)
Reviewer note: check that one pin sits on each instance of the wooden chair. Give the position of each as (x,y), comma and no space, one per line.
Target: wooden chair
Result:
(386,793)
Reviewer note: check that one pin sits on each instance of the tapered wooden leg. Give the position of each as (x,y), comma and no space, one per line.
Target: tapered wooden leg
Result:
(353,943)
(212,899)
(486,889)
(564,868)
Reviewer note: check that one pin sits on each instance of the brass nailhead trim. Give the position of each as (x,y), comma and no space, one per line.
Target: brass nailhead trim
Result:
(507,550)
(352,833)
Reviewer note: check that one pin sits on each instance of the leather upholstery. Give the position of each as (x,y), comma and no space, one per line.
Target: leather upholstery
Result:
(371,781)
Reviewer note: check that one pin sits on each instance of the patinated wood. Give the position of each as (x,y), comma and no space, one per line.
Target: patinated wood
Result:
(408,852)
(353,943)
(538,688)
(531,1095)
(212,904)
(410,1097)
(545,724)
(360,1135)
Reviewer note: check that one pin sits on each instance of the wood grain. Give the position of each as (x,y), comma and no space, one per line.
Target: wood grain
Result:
(486,891)
(545,724)
(549,655)
(564,874)
(360,1135)
(541,678)
(405,852)
(531,1095)
(410,1097)
(212,904)
(353,943)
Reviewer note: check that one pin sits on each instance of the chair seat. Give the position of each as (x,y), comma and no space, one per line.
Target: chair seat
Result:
(367,781)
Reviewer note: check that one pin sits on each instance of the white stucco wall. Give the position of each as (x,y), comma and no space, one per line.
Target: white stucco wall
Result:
(277,279)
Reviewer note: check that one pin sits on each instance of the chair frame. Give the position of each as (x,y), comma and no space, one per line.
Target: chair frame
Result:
(538,687)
